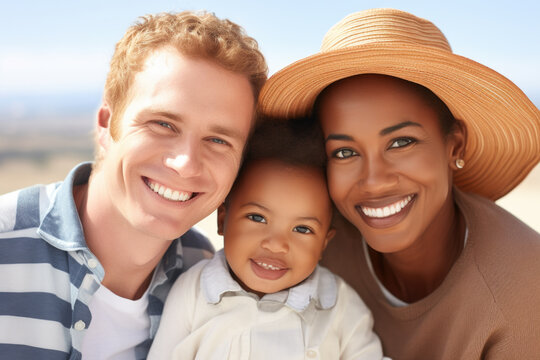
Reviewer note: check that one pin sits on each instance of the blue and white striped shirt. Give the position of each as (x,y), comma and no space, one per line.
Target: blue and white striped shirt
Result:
(48,275)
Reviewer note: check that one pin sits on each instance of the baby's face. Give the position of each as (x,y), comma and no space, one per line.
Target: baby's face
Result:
(276,225)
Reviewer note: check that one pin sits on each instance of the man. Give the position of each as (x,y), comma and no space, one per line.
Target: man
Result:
(86,264)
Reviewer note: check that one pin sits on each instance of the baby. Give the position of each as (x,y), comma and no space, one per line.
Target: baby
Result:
(264,296)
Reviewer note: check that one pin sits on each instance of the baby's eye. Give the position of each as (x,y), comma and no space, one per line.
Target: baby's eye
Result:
(344,153)
(401,142)
(303,229)
(257,218)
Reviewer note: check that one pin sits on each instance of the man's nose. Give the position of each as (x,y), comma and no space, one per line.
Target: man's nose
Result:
(186,160)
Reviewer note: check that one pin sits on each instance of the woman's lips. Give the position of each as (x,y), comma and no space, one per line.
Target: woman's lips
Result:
(268,269)
(386,215)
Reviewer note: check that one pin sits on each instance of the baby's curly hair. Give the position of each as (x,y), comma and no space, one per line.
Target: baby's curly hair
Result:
(297,142)
(294,142)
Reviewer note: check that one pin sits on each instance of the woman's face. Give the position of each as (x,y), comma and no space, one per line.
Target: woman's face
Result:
(389,165)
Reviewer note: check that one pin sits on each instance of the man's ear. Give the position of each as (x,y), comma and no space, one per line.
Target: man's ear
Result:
(221,212)
(457,141)
(103,122)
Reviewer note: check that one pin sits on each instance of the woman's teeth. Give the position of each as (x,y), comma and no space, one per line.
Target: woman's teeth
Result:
(168,193)
(388,210)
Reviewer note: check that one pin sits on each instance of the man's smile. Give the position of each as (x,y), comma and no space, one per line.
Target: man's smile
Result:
(168,193)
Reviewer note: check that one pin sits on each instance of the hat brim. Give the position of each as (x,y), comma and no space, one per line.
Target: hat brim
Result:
(503,125)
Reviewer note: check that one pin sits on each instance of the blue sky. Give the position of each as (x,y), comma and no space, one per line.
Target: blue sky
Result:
(62,46)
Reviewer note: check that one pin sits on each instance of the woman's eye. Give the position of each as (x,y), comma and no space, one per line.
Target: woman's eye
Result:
(344,153)
(302,229)
(401,142)
(257,218)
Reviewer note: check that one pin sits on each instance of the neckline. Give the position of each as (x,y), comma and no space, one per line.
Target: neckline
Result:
(407,311)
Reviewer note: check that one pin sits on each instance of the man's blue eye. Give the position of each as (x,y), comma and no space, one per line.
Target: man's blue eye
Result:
(256,218)
(219,141)
(165,124)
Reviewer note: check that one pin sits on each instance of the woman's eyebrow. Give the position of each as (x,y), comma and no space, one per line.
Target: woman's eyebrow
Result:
(338,137)
(396,127)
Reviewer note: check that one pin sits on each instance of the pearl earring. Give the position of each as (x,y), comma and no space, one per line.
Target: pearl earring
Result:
(460,163)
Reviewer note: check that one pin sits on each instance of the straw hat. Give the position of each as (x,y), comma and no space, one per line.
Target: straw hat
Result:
(503,124)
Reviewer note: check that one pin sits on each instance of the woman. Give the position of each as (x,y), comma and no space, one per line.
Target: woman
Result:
(420,141)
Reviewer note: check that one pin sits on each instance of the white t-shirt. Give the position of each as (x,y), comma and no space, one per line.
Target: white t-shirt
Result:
(118,325)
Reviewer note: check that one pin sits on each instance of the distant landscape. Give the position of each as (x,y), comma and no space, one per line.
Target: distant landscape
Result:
(43,137)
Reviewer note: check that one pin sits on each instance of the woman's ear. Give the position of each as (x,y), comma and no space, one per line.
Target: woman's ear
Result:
(221,212)
(457,141)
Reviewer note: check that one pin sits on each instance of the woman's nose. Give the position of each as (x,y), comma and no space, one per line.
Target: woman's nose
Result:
(377,174)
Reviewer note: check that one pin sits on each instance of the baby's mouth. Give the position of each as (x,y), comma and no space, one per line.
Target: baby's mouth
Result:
(268,266)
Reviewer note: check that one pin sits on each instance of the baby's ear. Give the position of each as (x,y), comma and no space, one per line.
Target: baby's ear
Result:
(329,236)
(221,212)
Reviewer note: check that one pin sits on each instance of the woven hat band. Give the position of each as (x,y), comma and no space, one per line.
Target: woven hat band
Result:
(382,25)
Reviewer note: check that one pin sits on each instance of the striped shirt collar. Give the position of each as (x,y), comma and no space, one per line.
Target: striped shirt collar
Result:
(61,226)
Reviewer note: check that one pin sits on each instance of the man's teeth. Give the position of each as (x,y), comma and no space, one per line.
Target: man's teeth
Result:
(169,194)
(268,266)
(387,210)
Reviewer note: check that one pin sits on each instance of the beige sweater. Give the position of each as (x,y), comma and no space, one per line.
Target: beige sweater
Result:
(488,307)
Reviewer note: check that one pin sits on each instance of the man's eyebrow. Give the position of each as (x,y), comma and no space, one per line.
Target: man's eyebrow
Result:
(167,114)
(227,131)
(218,129)
(338,137)
(396,127)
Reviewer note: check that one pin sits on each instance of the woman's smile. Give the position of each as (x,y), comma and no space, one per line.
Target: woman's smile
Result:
(383,216)
(385,210)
